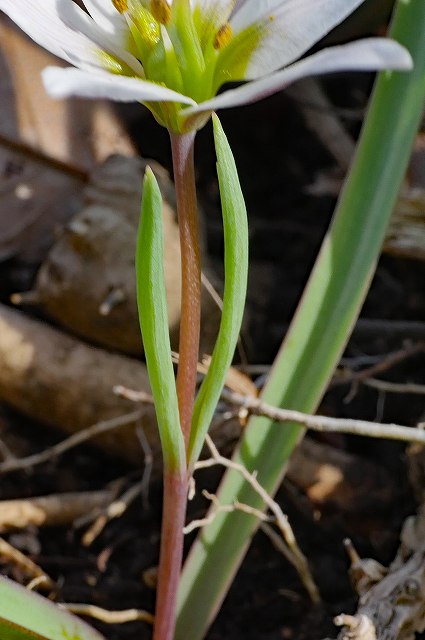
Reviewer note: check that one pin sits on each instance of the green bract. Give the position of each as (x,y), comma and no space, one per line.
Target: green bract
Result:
(235,226)
(152,306)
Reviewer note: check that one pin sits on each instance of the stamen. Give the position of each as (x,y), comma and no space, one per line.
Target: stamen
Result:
(223,36)
(161,11)
(120,5)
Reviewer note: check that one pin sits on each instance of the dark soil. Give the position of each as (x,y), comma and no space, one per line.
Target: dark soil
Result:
(277,159)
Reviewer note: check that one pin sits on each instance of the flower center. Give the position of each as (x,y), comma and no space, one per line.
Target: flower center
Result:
(177,45)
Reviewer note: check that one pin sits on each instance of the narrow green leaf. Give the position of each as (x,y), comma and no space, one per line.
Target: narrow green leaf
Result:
(152,307)
(322,324)
(236,273)
(25,615)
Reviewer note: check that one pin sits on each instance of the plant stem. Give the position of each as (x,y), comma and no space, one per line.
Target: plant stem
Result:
(176,480)
(184,179)
(170,560)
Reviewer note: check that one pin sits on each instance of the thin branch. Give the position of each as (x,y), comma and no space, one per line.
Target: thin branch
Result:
(217,508)
(322,424)
(67,168)
(325,424)
(395,387)
(212,291)
(295,555)
(32,570)
(223,508)
(133,395)
(15,464)
(114,510)
(110,617)
(215,296)
(391,360)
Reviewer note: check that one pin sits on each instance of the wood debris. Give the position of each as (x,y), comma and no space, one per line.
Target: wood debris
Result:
(52,510)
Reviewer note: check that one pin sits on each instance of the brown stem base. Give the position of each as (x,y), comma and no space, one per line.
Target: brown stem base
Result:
(174,512)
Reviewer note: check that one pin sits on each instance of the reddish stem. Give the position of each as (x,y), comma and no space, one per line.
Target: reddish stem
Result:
(170,559)
(176,481)
(184,178)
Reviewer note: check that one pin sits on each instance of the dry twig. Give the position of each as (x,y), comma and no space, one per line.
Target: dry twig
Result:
(295,554)
(120,505)
(114,510)
(325,424)
(321,424)
(395,387)
(52,510)
(24,564)
(15,464)
(223,508)
(109,617)
(391,360)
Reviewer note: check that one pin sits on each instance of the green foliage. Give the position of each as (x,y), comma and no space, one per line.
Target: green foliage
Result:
(322,324)
(152,307)
(236,273)
(25,615)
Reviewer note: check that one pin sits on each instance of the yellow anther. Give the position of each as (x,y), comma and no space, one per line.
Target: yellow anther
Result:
(120,5)
(161,11)
(223,36)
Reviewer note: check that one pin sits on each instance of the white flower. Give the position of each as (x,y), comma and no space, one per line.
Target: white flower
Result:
(174,55)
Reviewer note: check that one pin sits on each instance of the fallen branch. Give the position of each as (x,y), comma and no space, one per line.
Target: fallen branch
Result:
(324,423)
(52,510)
(41,376)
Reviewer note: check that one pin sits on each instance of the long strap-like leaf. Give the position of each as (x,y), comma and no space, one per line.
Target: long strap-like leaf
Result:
(25,615)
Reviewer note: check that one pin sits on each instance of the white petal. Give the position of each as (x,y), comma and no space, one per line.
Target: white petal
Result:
(371,54)
(239,4)
(290,28)
(76,19)
(217,11)
(40,20)
(213,15)
(66,31)
(105,14)
(109,19)
(62,83)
